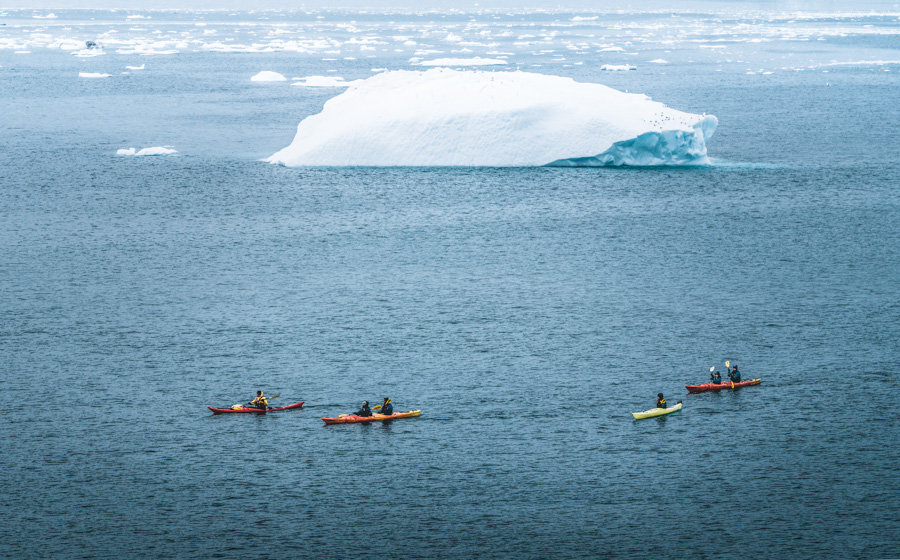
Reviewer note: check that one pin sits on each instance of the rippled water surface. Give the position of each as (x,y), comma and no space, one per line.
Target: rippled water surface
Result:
(527,312)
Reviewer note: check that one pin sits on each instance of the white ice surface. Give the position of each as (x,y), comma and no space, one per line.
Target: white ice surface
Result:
(92,75)
(154,151)
(268,76)
(477,118)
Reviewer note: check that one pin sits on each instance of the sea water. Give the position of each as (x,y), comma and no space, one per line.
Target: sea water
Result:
(526,311)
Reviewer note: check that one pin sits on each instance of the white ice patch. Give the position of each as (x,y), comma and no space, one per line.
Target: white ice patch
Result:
(476,118)
(617,67)
(268,76)
(476,61)
(659,61)
(154,151)
(141,67)
(92,75)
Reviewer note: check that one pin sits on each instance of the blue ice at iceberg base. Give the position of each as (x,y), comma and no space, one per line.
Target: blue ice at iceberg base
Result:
(668,147)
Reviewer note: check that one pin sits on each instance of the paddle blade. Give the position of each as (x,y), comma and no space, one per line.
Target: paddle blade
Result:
(727,363)
(712,369)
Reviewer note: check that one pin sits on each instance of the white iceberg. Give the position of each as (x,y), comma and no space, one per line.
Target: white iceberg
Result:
(92,75)
(268,76)
(154,151)
(617,67)
(141,67)
(475,118)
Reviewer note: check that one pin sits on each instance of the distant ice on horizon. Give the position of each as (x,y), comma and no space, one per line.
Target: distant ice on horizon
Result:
(476,61)
(443,117)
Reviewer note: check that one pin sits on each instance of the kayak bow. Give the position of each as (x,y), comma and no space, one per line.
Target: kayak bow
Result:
(351,419)
(252,410)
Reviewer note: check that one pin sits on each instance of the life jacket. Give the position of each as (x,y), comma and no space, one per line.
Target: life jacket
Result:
(661,403)
(364,412)
(387,408)
(260,401)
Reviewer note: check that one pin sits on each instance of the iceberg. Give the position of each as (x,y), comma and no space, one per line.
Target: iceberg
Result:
(443,117)
(268,76)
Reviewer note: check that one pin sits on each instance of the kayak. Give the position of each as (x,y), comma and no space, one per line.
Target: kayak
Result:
(656,412)
(720,386)
(353,419)
(252,410)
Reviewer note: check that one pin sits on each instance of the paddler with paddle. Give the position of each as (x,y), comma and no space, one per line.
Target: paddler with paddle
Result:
(734,375)
(260,402)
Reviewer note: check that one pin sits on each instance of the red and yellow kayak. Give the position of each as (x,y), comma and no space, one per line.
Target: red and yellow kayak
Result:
(251,410)
(719,386)
(352,419)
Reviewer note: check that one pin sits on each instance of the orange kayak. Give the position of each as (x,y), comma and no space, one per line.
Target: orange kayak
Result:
(352,419)
(719,386)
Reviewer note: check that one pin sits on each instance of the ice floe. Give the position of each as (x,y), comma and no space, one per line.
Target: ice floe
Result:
(477,118)
(92,75)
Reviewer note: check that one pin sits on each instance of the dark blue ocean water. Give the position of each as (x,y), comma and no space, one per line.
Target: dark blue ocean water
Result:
(527,312)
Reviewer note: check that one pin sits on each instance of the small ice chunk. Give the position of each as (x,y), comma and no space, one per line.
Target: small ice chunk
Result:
(268,76)
(659,61)
(154,151)
(141,67)
(92,75)
(617,67)
(322,81)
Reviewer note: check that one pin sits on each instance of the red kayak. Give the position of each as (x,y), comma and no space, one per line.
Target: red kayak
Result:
(720,386)
(252,410)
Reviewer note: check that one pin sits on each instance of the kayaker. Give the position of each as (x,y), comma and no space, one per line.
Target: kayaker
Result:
(735,375)
(716,378)
(660,401)
(364,411)
(387,408)
(260,402)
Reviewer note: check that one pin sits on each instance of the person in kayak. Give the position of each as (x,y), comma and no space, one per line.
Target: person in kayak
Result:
(387,408)
(660,401)
(364,411)
(715,378)
(734,375)
(260,402)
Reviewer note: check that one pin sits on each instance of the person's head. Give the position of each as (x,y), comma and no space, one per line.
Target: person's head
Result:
(735,367)
(258,393)
(365,404)
(387,400)
(659,396)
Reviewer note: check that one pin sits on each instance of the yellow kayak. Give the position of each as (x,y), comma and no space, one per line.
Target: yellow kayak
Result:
(656,412)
